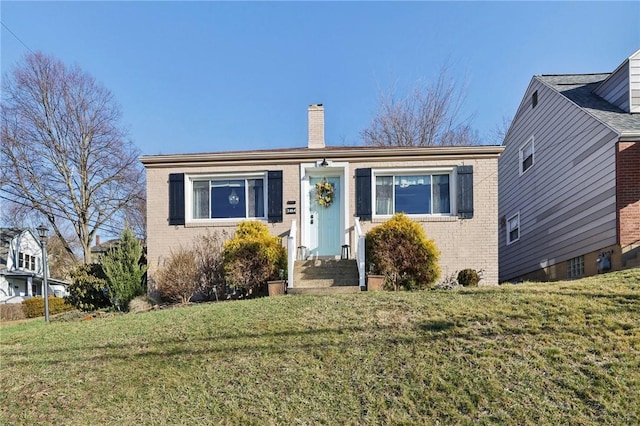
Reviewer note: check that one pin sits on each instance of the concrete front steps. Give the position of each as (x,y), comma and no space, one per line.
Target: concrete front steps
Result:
(325,276)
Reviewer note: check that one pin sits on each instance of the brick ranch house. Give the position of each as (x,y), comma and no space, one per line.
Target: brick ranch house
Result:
(450,191)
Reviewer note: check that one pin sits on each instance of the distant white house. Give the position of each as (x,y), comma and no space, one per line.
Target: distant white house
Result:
(21,267)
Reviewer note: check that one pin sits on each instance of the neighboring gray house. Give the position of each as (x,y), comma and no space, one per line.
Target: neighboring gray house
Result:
(21,267)
(569,178)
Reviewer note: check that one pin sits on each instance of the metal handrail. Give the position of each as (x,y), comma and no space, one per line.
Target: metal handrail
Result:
(360,252)
(291,253)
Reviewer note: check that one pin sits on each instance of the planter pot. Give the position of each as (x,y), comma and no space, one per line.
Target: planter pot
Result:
(276,288)
(375,282)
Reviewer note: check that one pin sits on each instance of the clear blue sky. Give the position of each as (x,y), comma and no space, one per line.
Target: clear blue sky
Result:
(215,76)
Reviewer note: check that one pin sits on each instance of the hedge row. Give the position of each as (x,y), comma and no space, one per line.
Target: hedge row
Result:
(34,307)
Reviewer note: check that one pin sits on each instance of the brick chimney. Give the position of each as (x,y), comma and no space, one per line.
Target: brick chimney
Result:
(316,126)
(97,240)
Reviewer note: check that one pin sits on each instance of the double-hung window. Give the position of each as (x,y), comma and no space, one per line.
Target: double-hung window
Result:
(513,228)
(26,261)
(526,156)
(413,193)
(228,197)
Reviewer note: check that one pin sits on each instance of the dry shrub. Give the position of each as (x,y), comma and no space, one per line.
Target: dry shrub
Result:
(208,251)
(178,280)
(140,304)
(11,312)
(195,271)
(34,306)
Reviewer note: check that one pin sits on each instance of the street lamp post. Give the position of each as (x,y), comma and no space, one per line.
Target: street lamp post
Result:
(42,233)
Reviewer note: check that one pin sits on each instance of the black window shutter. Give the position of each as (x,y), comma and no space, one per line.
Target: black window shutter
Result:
(363,194)
(465,192)
(274,196)
(176,199)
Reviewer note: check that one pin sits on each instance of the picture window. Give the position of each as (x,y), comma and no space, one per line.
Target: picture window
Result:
(228,198)
(413,194)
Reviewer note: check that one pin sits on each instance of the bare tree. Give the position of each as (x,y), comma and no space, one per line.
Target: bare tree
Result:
(64,152)
(499,132)
(430,115)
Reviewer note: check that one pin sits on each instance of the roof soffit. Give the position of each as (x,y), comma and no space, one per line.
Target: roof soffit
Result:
(295,156)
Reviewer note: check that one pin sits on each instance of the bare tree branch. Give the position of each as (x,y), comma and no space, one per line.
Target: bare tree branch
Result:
(64,151)
(428,116)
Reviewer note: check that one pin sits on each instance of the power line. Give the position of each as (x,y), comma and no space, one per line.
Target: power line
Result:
(16,37)
(104,227)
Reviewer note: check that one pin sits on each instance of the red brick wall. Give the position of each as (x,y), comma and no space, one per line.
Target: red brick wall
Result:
(628,192)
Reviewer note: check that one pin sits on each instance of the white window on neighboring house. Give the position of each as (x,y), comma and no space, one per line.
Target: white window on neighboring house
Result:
(526,156)
(27,262)
(228,197)
(513,228)
(575,267)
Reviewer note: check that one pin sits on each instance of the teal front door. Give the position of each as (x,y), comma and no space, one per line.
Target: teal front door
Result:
(324,218)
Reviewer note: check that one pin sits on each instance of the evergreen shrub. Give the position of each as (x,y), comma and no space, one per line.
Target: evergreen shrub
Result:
(88,291)
(400,250)
(125,274)
(253,257)
(468,278)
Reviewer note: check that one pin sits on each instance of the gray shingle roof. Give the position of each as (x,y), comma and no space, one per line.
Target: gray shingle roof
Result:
(579,89)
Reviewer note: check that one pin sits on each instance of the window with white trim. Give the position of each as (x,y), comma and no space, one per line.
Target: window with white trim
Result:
(27,261)
(413,193)
(228,197)
(575,267)
(513,228)
(526,156)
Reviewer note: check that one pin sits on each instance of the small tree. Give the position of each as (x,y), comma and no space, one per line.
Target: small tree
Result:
(125,274)
(400,250)
(253,257)
(177,281)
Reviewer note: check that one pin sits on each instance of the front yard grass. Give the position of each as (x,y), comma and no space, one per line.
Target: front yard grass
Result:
(559,353)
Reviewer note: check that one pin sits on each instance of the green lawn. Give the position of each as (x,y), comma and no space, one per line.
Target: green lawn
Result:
(562,353)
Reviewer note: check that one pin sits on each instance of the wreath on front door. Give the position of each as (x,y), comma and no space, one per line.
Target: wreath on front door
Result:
(324,193)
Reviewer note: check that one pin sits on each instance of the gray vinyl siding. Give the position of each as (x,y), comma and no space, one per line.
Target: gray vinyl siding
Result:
(566,199)
(634,82)
(615,89)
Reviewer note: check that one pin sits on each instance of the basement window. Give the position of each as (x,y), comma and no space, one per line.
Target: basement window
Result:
(575,267)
